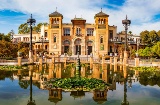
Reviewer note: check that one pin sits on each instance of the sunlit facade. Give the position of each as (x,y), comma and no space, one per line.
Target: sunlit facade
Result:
(98,38)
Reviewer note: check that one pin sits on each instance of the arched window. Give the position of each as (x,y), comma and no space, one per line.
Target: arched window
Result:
(54,20)
(78,31)
(101,39)
(57,21)
(104,21)
(66,42)
(51,20)
(55,39)
(99,22)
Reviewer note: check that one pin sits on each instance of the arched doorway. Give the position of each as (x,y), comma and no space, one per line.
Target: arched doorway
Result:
(66,46)
(78,46)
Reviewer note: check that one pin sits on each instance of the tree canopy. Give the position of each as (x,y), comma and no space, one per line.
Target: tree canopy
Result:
(150,37)
(9,49)
(24,28)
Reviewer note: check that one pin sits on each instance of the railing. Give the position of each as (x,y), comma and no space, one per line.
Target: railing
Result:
(4,61)
(12,61)
(74,59)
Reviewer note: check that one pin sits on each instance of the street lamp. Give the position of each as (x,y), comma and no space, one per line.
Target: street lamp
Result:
(126,23)
(79,41)
(42,39)
(31,22)
(137,47)
(12,34)
(78,64)
(114,40)
(87,53)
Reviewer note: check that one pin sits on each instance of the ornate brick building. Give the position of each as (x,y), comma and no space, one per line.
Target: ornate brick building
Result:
(79,35)
(96,38)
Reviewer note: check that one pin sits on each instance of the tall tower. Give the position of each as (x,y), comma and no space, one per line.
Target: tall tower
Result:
(55,32)
(101,38)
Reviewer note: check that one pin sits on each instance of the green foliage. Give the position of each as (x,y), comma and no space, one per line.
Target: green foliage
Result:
(146,69)
(5,37)
(156,48)
(130,32)
(147,52)
(37,28)
(150,37)
(23,29)
(10,67)
(144,36)
(149,77)
(73,83)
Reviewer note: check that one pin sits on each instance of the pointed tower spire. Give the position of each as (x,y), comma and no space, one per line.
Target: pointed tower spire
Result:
(56,9)
(126,17)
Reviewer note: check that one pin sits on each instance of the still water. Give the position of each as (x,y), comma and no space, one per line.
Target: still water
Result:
(128,87)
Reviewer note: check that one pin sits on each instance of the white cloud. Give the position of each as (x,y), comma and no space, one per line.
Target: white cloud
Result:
(140,12)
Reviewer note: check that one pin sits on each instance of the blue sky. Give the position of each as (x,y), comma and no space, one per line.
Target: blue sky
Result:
(144,14)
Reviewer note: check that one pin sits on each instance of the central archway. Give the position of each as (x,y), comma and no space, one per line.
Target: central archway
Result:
(78,46)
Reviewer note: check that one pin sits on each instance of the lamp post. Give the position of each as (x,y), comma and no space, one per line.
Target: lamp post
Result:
(42,39)
(114,40)
(87,53)
(137,47)
(126,23)
(78,64)
(12,34)
(31,22)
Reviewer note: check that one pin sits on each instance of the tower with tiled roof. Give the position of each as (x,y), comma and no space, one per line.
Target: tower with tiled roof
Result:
(54,32)
(101,39)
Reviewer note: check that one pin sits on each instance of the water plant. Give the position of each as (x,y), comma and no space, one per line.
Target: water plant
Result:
(10,67)
(77,84)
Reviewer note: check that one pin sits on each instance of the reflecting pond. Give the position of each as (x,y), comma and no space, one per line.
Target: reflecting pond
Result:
(127,87)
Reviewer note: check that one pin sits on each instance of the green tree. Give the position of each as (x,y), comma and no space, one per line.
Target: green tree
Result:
(1,36)
(37,28)
(149,37)
(130,32)
(23,29)
(156,48)
(144,36)
(153,37)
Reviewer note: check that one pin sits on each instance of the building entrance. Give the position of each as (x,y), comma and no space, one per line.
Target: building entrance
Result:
(78,47)
(89,50)
(66,49)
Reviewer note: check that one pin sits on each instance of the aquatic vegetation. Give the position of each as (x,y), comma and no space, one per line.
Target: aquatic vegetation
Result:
(77,84)
(143,68)
(10,67)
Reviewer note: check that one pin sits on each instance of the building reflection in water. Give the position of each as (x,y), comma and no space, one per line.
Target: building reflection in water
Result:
(55,95)
(100,96)
(110,74)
